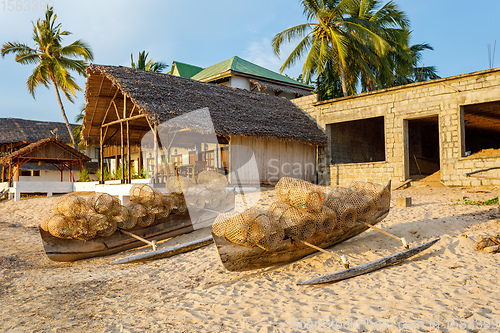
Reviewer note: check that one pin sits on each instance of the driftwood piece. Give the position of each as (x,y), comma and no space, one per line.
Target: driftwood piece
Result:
(371,266)
(167,252)
(406,182)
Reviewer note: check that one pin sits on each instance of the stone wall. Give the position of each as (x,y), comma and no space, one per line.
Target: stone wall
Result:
(440,98)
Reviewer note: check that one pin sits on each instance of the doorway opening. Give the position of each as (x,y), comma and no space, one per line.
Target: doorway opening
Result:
(422,147)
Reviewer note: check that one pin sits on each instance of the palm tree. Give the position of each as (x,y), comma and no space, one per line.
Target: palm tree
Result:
(77,131)
(147,65)
(343,33)
(53,61)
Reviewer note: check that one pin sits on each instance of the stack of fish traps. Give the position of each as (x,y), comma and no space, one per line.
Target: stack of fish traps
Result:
(75,217)
(102,214)
(209,192)
(304,210)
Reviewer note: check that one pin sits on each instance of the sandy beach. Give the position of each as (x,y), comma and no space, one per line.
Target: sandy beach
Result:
(452,287)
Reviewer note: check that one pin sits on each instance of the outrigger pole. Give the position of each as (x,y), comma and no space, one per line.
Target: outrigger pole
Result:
(402,239)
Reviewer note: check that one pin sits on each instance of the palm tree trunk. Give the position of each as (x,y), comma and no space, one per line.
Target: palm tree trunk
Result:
(342,78)
(64,115)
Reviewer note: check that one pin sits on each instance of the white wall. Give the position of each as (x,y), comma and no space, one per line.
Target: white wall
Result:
(274,159)
(239,82)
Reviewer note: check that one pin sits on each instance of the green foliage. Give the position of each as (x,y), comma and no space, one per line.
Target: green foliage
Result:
(147,65)
(354,44)
(107,175)
(84,175)
(53,61)
(140,175)
(489,202)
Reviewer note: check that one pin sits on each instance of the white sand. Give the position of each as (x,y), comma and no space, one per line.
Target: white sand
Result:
(192,292)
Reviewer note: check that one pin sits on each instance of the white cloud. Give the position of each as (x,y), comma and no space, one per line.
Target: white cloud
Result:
(262,54)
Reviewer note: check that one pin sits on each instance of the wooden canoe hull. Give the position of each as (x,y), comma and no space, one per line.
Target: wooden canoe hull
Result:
(59,249)
(237,258)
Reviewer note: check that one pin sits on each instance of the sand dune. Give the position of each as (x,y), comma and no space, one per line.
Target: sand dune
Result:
(452,282)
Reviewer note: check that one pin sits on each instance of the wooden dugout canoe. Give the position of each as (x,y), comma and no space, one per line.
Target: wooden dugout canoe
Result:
(59,249)
(236,258)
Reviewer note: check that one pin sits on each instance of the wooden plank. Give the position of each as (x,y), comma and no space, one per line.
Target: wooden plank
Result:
(166,253)
(371,266)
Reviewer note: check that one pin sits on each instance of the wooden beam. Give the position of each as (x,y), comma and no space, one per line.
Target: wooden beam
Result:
(129,168)
(155,153)
(109,107)
(122,146)
(119,121)
(101,157)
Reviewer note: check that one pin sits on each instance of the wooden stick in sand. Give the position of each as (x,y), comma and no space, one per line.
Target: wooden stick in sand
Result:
(402,239)
(343,257)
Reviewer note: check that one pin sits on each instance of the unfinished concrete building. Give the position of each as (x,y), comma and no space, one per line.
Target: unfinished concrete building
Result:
(450,125)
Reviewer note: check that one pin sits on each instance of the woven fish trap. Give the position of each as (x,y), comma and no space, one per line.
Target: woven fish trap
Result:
(219,225)
(141,214)
(212,199)
(145,195)
(327,221)
(246,228)
(212,180)
(71,206)
(104,203)
(163,212)
(180,184)
(347,204)
(124,218)
(273,235)
(107,225)
(60,226)
(195,202)
(85,229)
(300,193)
(295,221)
(178,203)
(380,195)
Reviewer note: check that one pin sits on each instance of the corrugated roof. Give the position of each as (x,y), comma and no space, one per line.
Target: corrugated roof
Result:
(14,130)
(186,70)
(239,65)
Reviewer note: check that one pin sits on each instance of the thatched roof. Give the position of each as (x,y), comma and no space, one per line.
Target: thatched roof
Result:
(14,130)
(49,150)
(162,97)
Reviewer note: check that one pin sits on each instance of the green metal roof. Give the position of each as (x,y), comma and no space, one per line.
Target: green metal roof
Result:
(186,70)
(237,64)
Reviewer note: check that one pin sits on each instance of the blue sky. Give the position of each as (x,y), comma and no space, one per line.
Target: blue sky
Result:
(206,32)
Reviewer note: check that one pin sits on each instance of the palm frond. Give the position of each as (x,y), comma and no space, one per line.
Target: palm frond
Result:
(290,34)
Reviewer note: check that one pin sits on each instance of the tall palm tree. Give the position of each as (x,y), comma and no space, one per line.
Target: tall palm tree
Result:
(53,61)
(77,131)
(338,31)
(147,65)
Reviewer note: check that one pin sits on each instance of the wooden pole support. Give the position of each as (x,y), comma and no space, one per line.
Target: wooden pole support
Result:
(343,257)
(402,240)
(152,243)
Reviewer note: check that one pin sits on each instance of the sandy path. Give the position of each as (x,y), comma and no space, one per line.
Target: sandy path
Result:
(193,293)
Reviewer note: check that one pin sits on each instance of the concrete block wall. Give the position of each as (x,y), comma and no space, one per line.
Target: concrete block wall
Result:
(442,98)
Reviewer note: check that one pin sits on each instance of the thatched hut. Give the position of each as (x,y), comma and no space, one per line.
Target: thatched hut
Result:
(124,104)
(47,151)
(17,133)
